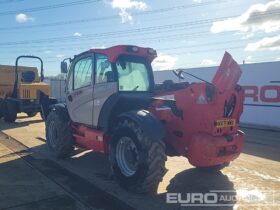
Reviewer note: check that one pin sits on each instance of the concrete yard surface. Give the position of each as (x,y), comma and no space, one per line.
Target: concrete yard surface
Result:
(31,179)
(23,187)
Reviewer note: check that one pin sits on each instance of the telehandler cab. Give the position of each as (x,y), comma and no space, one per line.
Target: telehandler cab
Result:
(114,107)
(22,90)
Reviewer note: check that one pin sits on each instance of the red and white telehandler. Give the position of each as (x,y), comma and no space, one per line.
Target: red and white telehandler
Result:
(113,106)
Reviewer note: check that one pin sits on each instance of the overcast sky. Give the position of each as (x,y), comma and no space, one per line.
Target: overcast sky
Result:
(186,33)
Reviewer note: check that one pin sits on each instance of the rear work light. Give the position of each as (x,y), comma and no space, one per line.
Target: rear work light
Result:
(151,51)
(133,49)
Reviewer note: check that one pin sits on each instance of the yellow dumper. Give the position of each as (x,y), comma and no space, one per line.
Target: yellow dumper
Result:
(22,90)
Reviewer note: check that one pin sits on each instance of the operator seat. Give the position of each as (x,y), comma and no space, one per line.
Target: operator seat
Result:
(105,76)
(109,76)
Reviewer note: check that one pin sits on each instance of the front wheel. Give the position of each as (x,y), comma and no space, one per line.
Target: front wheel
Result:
(59,135)
(138,162)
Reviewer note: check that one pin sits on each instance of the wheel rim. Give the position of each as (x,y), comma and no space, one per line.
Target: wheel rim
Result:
(53,137)
(127,156)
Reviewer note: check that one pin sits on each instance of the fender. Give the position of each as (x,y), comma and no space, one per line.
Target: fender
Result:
(119,103)
(62,111)
(151,126)
(46,103)
(106,111)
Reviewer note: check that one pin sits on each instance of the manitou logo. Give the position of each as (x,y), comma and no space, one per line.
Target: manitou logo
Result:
(266,93)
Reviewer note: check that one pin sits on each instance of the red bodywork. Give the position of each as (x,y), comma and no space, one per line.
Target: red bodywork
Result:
(196,134)
(89,138)
(114,52)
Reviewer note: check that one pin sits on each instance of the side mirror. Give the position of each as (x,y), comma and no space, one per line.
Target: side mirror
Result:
(63,67)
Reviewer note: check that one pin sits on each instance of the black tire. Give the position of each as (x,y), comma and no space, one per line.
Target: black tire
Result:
(213,168)
(31,113)
(151,155)
(59,135)
(10,111)
(42,115)
(1,109)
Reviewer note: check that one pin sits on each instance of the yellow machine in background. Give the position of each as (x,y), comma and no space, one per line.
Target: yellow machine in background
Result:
(22,90)
(26,90)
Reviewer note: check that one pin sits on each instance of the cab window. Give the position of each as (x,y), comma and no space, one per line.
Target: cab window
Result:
(103,72)
(133,74)
(83,73)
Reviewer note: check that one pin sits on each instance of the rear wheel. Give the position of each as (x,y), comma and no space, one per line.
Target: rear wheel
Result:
(31,113)
(59,135)
(10,111)
(137,162)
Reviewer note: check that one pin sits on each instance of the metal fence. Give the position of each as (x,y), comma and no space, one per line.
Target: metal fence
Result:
(58,87)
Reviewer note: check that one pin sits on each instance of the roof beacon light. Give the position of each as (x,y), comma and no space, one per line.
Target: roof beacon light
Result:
(133,49)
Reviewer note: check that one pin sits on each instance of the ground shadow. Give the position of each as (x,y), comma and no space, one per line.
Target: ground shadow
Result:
(23,187)
(188,181)
(6,126)
(30,194)
(76,175)
(193,180)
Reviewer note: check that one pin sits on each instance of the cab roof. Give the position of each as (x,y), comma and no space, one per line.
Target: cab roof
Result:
(114,52)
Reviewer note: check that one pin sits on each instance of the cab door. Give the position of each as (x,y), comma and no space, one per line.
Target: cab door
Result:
(79,90)
(105,84)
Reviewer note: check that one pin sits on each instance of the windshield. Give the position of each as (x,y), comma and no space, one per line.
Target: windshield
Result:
(133,74)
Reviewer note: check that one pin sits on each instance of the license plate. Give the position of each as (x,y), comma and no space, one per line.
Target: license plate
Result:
(225,123)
